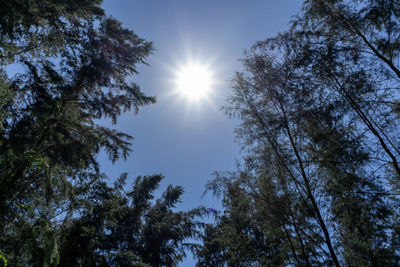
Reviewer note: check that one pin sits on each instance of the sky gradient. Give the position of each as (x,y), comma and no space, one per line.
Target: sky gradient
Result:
(186,141)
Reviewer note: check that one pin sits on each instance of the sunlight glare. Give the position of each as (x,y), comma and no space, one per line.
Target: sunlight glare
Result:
(194,81)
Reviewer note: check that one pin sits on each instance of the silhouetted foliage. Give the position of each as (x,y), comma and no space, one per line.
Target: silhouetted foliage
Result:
(319,108)
(51,116)
(76,67)
(118,228)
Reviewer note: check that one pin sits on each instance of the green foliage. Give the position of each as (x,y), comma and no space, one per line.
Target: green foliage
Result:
(4,261)
(51,119)
(118,228)
(77,67)
(319,109)
(41,29)
(108,226)
(318,105)
(5,96)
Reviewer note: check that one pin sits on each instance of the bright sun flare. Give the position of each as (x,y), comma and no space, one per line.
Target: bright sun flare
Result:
(194,81)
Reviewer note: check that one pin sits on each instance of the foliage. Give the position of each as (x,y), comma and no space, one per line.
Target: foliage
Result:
(76,67)
(51,116)
(318,105)
(118,228)
(56,208)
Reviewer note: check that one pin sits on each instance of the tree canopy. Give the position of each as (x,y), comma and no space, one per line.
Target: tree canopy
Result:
(319,110)
(77,66)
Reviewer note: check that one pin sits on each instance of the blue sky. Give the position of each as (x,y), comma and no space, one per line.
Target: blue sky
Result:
(182,140)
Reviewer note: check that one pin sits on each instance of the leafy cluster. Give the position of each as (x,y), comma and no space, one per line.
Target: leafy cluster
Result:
(118,228)
(320,179)
(75,66)
(319,110)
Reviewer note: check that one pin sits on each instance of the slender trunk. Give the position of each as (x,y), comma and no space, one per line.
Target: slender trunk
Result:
(357,31)
(305,179)
(320,220)
(296,229)
(291,246)
(303,250)
(369,124)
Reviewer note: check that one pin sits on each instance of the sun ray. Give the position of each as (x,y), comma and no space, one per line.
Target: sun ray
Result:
(193,81)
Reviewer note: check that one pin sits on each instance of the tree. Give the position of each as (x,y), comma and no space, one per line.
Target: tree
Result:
(354,48)
(76,68)
(254,229)
(110,226)
(118,228)
(318,109)
(51,118)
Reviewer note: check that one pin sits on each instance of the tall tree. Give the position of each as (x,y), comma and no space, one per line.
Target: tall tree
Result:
(76,66)
(318,110)
(126,228)
(51,118)
(353,48)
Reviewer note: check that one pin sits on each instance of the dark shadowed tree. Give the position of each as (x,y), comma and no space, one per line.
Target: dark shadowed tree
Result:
(352,48)
(51,116)
(318,106)
(127,228)
(75,67)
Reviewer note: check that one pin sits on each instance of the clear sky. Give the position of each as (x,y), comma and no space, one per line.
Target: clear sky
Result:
(185,140)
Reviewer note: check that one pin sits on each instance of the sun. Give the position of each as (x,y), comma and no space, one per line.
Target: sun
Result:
(194,81)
